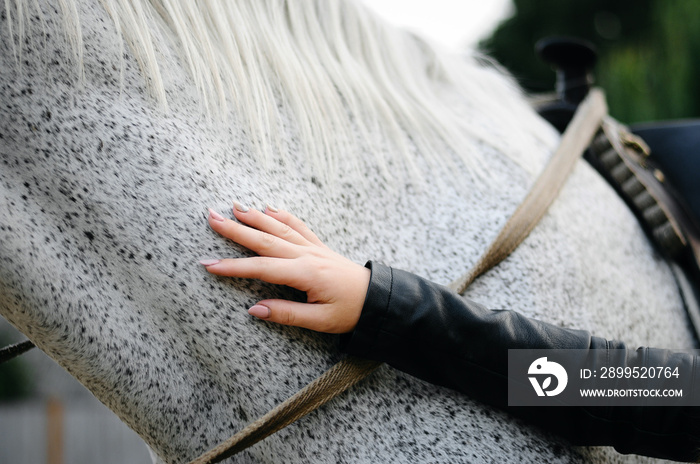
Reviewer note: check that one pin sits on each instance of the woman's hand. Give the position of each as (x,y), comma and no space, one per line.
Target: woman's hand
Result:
(292,255)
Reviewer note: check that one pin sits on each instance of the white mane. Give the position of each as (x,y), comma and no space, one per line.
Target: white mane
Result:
(330,66)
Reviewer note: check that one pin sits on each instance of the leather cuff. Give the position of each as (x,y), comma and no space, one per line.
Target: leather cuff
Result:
(361,342)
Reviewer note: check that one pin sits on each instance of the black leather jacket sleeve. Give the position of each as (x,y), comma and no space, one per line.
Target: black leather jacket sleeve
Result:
(430,332)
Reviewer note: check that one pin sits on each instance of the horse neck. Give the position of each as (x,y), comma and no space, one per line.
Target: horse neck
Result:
(104,225)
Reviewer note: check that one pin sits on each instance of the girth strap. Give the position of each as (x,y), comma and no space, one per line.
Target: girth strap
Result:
(351,370)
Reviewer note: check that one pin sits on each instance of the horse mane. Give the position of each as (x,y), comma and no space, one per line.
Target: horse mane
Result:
(342,75)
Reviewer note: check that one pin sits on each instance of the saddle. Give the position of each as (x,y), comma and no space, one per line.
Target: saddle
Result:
(653,167)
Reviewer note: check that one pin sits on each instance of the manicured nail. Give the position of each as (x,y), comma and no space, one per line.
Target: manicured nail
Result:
(240,207)
(209,262)
(272,209)
(260,311)
(216,216)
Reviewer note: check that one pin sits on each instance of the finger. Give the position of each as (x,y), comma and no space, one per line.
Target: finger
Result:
(306,315)
(271,270)
(260,242)
(265,223)
(295,223)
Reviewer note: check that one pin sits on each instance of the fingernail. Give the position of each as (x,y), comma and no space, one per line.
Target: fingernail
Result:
(272,209)
(240,207)
(215,216)
(209,262)
(260,311)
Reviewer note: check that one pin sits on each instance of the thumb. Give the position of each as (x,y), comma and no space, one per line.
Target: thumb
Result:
(314,316)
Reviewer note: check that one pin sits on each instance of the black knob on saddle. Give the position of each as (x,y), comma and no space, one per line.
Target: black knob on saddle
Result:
(573,59)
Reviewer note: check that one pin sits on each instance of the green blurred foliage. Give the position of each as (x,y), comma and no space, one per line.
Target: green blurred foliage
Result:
(648,50)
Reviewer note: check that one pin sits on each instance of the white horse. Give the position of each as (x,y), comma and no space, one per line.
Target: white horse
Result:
(122,120)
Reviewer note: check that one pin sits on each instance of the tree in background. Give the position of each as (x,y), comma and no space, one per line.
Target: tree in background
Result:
(648,50)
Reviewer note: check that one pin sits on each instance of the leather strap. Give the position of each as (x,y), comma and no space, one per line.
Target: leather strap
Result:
(622,158)
(574,141)
(349,371)
(12,351)
(327,386)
